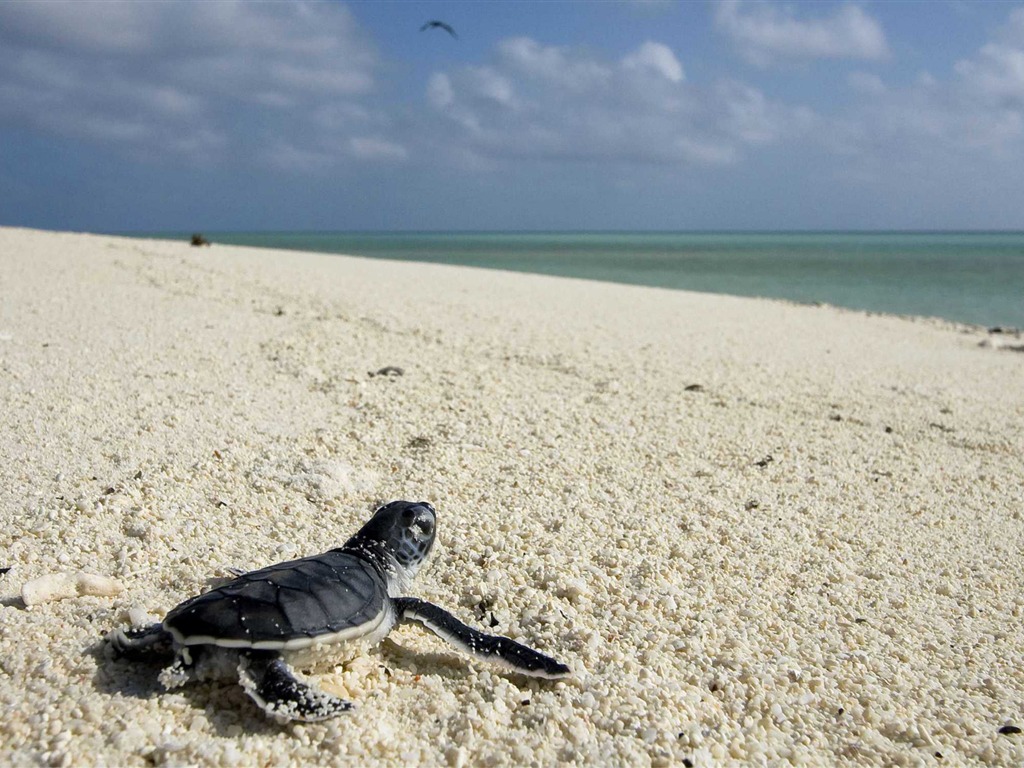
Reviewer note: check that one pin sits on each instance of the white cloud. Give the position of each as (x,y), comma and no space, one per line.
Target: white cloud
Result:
(1014,30)
(196,78)
(492,85)
(439,91)
(287,157)
(556,103)
(939,128)
(996,76)
(561,67)
(373,147)
(866,82)
(657,58)
(763,33)
(751,118)
(702,152)
(104,28)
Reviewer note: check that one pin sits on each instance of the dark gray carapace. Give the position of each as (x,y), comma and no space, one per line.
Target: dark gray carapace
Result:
(356,591)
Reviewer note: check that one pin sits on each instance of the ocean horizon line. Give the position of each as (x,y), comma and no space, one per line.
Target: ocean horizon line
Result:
(414,231)
(967,276)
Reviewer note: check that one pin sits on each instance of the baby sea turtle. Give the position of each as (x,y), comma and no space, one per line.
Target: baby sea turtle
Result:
(261,622)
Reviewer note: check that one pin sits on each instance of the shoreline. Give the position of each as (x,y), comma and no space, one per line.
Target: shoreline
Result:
(561,268)
(757,530)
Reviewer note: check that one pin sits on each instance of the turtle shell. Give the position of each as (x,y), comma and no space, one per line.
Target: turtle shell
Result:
(321,599)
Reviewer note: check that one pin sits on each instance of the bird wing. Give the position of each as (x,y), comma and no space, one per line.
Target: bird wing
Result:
(435,24)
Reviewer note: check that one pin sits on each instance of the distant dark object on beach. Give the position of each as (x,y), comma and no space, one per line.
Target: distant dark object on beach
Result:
(693,388)
(198,239)
(4,570)
(1009,730)
(435,24)
(388,370)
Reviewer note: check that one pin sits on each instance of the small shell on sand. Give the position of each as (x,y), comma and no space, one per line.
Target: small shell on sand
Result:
(57,586)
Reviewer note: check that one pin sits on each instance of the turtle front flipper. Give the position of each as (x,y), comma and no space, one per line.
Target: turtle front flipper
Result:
(493,648)
(270,682)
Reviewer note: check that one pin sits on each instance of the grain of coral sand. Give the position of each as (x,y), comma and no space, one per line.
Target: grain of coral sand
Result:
(814,555)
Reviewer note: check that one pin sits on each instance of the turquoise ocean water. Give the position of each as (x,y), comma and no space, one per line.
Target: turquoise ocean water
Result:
(973,277)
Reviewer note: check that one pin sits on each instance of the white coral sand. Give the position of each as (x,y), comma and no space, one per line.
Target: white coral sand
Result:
(813,555)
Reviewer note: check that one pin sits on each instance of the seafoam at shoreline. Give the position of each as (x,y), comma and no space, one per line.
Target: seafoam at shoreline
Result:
(758,531)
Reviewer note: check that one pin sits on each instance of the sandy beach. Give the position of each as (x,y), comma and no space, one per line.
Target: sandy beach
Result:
(759,533)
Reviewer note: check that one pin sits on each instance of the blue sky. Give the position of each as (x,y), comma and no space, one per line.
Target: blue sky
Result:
(541,115)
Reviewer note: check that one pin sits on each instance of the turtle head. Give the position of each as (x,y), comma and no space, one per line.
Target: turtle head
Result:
(403,531)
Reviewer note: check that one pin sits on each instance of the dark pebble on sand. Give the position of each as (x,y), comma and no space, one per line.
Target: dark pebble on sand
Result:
(1009,730)
(388,370)
(765,461)
(693,388)
(4,569)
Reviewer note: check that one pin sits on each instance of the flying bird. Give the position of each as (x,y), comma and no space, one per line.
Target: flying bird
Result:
(434,24)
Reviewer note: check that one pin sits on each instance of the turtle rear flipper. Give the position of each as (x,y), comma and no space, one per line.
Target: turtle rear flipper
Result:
(142,644)
(270,682)
(493,648)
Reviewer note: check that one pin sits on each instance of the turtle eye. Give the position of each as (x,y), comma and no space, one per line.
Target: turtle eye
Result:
(426,526)
(408,515)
